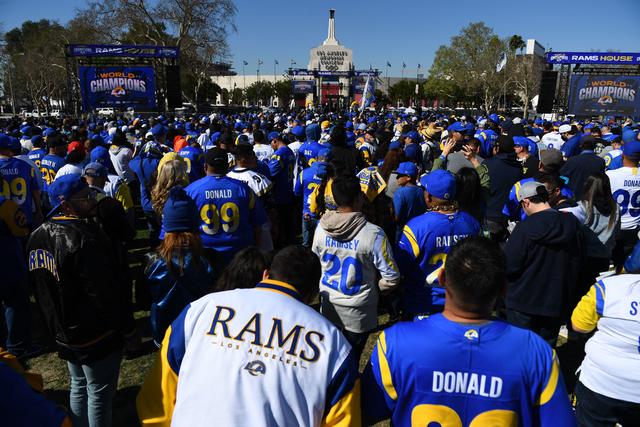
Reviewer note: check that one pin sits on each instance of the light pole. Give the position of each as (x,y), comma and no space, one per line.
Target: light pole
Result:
(275,62)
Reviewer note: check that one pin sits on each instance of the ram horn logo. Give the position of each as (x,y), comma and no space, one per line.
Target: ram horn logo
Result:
(605,99)
(118,91)
(255,368)
(559,57)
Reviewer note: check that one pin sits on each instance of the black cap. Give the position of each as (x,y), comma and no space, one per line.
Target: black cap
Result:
(505,144)
(216,157)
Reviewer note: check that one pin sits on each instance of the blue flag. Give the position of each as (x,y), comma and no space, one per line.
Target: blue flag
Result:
(367,95)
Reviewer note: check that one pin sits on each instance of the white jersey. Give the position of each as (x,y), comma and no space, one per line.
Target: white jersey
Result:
(259,183)
(625,185)
(68,169)
(112,185)
(263,152)
(552,140)
(349,286)
(611,366)
(252,357)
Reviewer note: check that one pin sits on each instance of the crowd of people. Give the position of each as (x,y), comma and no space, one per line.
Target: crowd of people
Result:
(277,241)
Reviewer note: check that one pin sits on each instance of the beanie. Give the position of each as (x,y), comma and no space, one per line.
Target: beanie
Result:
(180,212)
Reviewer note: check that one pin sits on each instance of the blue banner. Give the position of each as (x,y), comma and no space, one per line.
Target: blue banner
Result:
(117,87)
(604,95)
(132,51)
(593,58)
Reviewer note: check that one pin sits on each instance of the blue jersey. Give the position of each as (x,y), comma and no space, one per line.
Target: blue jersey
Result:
(512,208)
(36,155)
(613,160)
(309,152)
(437,372)
(194,157)
(422,250)
(144,168)
(309,180)
(572,146)
(281,166)
(228,211)
(49,166)
(487,139)
(19,183)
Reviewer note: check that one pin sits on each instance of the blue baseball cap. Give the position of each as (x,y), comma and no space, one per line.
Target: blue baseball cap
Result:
(157,130)
(298,131)
(521,141)
(394,145)
(631,149)
(440,183)
(272,136)
(63,188)
(415,136)
(362,126)
(324,153)
(5,141)
(610,137)
(494,118)
(407,168)
(94,169)
(411,151)
(629,136)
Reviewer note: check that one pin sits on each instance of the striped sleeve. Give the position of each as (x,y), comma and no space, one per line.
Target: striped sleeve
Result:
(157,398)
(586,314)
(342,406)
(553,404)
(408,242)
(379,395)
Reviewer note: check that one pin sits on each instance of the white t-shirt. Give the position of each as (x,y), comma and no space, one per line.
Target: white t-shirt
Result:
(625,186)
(259,183)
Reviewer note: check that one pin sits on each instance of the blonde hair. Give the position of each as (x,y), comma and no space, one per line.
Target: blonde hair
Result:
(170,174)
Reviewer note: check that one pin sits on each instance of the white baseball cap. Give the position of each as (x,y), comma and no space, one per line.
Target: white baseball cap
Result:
(564,128)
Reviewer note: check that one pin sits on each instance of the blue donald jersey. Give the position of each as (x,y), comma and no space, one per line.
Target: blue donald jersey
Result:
(228,211)
(36,155)
(49,166)
(281,167)
(437,372)
(309,180)
(194,157)
(422,251)
(512,208)
(308,153)
(19,183)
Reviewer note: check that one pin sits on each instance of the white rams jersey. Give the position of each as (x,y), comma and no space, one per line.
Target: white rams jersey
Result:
(252,357)
(349,286)
(625,185)
(259,183)
(552,140)
(263,152)
(611,366)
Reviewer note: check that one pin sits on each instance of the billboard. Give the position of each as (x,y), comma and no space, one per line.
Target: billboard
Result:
(599,95)
(117,87)
(136,51)
(302,86)
(610,58)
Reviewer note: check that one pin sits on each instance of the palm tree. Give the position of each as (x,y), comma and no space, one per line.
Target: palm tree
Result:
(516,43)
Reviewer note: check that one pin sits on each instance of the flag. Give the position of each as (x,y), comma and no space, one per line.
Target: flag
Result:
(404,65)
(503,61)
(293,62)
(260,62)
(367,95)
(275,61)
(419,66)
(388,64)
(245,63)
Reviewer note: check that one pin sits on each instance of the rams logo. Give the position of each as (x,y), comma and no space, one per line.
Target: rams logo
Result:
(471,335)
(118,91)
(606,99)
(255,368)
(20,219)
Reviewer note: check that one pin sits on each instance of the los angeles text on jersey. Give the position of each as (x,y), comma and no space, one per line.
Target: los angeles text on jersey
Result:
(274,338)
(456,382)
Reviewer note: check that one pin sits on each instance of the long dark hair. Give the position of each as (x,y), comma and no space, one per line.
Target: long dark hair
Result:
(320,200)
(391,162)
(176,245)
(469,191)
(597,194)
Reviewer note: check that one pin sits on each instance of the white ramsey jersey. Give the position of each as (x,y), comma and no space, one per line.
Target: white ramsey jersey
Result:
(625,185)
(552,140)
(259,183)
(612,363)
(263,152)
(348,286)
(252,357)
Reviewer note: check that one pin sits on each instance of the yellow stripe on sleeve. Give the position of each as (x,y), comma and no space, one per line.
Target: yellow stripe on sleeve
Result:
(412,241)
(585,316)
(552,383)
(346,412)
(157,397)
(385,371)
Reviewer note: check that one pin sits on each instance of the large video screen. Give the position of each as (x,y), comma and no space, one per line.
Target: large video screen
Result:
(117,87)
(604,95)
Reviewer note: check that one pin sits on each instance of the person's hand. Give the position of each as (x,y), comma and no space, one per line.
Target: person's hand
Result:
(470,155)
(448,146)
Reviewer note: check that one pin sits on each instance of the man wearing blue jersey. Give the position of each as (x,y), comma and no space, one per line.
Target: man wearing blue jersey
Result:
(461,367)
(308,152)
(231,217)
(53,161)
(38,151)
(281,169)
(194,157)
(145,167)
(309,180)
(426,241)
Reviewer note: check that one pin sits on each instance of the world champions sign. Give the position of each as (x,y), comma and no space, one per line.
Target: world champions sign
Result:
(605,95)
(117,87)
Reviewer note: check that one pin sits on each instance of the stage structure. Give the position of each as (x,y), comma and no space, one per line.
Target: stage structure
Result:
(593,84)
(122,77)
(330,78)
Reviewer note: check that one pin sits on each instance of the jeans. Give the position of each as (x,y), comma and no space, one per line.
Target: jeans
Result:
(14,297)
(596,410)
(357,340)
(308,230)
(547,327)
(93,387)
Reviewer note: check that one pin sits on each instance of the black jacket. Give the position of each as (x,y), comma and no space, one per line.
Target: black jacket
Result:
(347,158)
(504,171)
(80,288)
(546,252)
(578,168)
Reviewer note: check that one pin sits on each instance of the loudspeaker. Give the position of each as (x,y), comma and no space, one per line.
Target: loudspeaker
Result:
(547,91)
(174,90)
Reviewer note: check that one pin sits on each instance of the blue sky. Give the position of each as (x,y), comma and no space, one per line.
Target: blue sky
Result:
(395,31)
